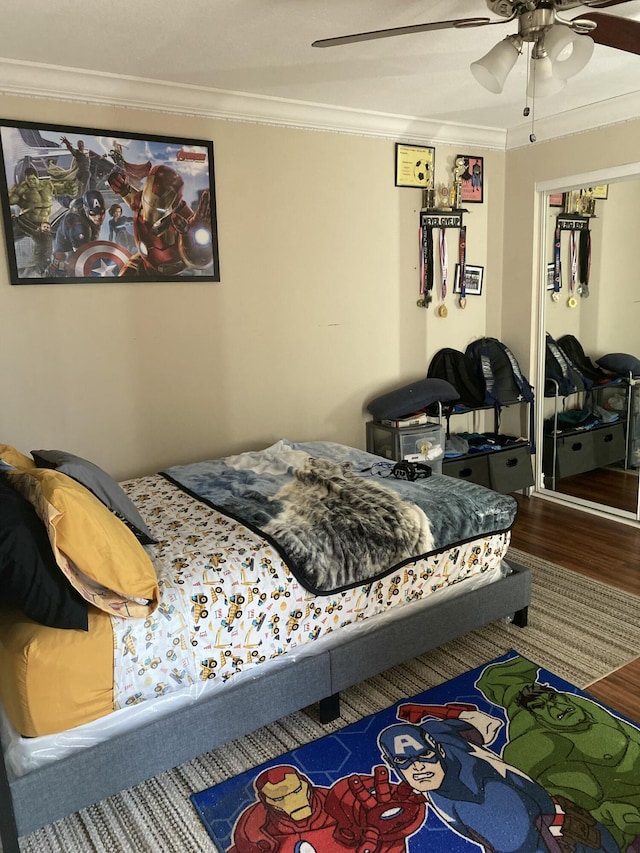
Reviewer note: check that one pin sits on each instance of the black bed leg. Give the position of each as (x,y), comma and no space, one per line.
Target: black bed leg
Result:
(329,708)
(8,828)
(521,618)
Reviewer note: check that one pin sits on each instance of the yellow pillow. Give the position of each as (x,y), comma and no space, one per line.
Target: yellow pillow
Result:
(14,457)
(99,555)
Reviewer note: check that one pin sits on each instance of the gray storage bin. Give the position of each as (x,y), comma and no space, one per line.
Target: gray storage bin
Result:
(474,469)
(575,453)
(510,469)
(608,444)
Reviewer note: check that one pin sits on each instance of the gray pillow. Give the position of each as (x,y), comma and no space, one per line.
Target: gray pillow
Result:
(621,363)
(101,484)
(412,398)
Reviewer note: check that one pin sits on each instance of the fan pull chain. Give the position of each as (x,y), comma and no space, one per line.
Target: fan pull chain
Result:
(527,109)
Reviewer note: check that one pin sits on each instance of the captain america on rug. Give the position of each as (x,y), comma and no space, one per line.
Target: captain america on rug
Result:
(439,777)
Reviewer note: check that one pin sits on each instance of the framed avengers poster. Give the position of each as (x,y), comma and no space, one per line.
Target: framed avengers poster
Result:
(87,206)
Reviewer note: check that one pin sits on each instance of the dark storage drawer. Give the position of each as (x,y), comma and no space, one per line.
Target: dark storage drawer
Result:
(608,444)
(510,469)
(575,453)
(475,469)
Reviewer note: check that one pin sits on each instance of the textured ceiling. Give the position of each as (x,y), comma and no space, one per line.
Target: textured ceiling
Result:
(263,47)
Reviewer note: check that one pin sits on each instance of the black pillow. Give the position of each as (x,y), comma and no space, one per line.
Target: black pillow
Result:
(620,362)
(30,578)
(412,398)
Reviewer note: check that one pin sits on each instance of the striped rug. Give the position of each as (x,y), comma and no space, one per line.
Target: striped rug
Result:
(578,628)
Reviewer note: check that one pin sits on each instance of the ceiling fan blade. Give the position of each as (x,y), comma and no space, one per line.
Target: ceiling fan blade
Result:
(619,33)
(401,31)
(602,4)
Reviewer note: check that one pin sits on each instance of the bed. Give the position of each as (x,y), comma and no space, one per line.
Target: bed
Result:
(210,599)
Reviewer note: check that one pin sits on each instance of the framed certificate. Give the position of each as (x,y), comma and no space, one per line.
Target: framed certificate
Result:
(415,166)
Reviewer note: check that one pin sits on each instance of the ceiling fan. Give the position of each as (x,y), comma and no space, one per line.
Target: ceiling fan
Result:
(561,47)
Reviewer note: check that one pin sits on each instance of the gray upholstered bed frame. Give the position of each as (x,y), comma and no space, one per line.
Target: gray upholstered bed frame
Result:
(90,775)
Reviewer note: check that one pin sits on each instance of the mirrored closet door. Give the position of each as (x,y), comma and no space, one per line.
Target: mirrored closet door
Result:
(589,422)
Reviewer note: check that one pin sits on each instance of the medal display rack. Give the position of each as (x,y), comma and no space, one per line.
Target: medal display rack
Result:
(573,222)
(440,217)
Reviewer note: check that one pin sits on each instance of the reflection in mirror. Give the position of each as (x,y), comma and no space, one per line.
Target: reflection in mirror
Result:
(591,317)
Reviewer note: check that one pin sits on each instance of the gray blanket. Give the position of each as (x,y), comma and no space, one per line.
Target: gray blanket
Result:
(335,521)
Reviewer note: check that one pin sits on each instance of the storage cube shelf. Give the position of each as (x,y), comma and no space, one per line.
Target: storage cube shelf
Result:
(507,470)
(578,452)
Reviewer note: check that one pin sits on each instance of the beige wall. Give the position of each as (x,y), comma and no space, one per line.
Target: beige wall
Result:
(314,316)
(315,313)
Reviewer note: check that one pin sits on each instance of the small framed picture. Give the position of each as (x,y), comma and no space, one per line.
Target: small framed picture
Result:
(472,178)
(415,165)
(473,276)
(551,269)
(556,199)
(600,192)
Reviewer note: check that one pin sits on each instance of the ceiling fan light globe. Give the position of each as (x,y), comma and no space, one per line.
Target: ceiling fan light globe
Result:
(542,80)
(492,70)
(568,51)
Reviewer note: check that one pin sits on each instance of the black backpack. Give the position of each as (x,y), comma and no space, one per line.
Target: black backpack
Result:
(454,367)
(574,351)
(560,373)
(499,372)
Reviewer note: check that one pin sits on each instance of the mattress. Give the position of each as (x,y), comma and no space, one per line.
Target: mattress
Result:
(227,604)
(227,600)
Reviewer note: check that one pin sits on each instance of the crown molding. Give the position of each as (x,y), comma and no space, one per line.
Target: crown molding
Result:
(38,80)
(602,114)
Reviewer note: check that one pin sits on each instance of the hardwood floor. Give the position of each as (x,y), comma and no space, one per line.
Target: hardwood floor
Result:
(600,548)
(611,486)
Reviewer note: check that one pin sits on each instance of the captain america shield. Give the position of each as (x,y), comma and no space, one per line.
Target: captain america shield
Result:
(98,259)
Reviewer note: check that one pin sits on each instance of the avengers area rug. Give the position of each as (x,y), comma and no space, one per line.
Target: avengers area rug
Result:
(505,758)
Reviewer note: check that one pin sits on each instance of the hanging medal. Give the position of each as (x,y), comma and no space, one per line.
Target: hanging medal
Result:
(584,262)
(422,302)
(426,266)
(462,262)
(556,266)
(572,301)
(444,272)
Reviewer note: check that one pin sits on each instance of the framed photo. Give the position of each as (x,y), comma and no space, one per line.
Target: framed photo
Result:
(600,192)
(556,199)
(415,165)
(472,178)
(85,205)
(551,267)
(473,276)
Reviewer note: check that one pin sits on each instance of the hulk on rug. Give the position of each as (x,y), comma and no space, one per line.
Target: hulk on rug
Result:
(570,745)
(432,773)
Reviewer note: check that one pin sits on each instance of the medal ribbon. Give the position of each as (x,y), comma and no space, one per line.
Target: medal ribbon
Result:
(426,266)
(422,264)
(444,263)
(462,260)
(556,261)
(585,256)
(574,262)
